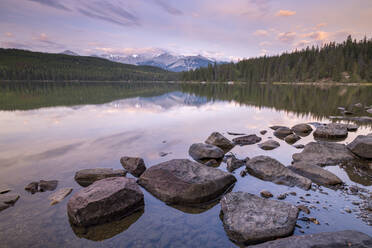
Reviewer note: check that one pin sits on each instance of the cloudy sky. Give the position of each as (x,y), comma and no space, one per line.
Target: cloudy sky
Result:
(222,29)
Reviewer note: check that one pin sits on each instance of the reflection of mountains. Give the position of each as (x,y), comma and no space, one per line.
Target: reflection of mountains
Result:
(165,101)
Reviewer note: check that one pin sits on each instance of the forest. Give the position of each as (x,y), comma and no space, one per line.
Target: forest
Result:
(349,61)
(18,64)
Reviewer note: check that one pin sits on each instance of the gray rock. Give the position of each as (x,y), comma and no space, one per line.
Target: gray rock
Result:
(251,219)
(342,239)
(3,206)
(233,163)
(362,146)
(351,127)
(315,173)
(183,182)
(104,201)
(277,127)
(9,198)
(47,185)
(269,145)
(266,194)
(220,141)
(58,196)
(4,189)
(134,165)
(331,131)
(263,132)
(282,132)
(304,209)
(247,140)
(300,146)
(200,151)
(292,138)
(282,196)
(32,187)
(269,169)
(235,134)
(302,128)
(88,176)
(324,153)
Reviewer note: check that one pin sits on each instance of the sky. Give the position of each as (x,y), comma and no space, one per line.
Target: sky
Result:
(220,29)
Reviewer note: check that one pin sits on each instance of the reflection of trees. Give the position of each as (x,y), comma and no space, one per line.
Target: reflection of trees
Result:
(359,172)
(24,96)
(108,230)
(302,100)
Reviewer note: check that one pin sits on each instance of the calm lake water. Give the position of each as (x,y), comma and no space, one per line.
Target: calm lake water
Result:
(49,131)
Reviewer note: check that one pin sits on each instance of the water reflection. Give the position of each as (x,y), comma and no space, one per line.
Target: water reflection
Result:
(107,230)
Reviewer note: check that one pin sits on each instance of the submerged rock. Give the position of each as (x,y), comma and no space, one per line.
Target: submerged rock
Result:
(302,128)
(362,146)
(277,127)
(88,176)
(134,165)
(282,132)
(233,163)
(105,200)
(269,169)
(3,206)
(315,173)
(200,151)
(251,219)
(300,146)
(47,185)
(269,145)
(263,132)
(341,239)
(58,196)
(292,138)
(247,140)
(183,182)
(32,187)
(331,131)
(4,189)
(220,141)
(324,153)
(9,198)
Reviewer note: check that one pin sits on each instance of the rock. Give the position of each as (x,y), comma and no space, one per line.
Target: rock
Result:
(302,128)
(347,210)
(9,198)
(200,151)
(269,169)
(263,132)
(183,182)
(220,141)
(351,127)
(243,173)
(4,189)
(347,112)
(324,153)
(32,187)
(105,200)
(315,173)
(277,127)
(282,196)
(304,209)
(58,196)
(266,194)
(358,105)
(233,163)
(300,146)
(282,132)
(163,154)
(88,176)
(362,146)
(3,206)
(134,165)
(341,108)
(293,193)
(269,145)
(247,140)
(235,134)
(292,138)
(210,162)
(369,111)
(341,239)
(251,219)
(47,185)
(331,131)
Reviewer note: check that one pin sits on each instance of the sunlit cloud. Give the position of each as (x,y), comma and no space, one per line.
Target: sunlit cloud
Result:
(287,37)
(261,32)
(285,13)
(9,34)
(318,35)
(264,43)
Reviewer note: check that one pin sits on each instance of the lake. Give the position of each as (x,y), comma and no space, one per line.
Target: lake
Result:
(51,130)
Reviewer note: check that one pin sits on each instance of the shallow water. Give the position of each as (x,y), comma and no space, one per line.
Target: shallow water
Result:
(49,131)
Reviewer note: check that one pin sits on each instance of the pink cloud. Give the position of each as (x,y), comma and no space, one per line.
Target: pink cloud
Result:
(261,32)
(287,37)
(9,34)
(285,13)
(318,35)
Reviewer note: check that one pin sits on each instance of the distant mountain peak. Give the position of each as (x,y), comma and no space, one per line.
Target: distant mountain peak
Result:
(69,52)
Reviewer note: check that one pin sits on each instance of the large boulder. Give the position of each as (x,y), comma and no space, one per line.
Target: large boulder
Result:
(134,165)
(220,141)
(292,138)
(331,131)
(269,145)
(324,153)
(315,173)
(282,132)
(183,182)
(269,169)
(105,200)
(200,151)
(362,146)
(251,219)
(341,239)
(88,176)
(302,128)
(247,140)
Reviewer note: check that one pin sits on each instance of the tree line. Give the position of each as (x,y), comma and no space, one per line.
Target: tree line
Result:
(349,61)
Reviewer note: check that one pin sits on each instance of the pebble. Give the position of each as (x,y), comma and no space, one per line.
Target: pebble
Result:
(266,194)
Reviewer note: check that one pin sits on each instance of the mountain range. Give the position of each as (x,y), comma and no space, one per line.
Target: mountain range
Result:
(165,60)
